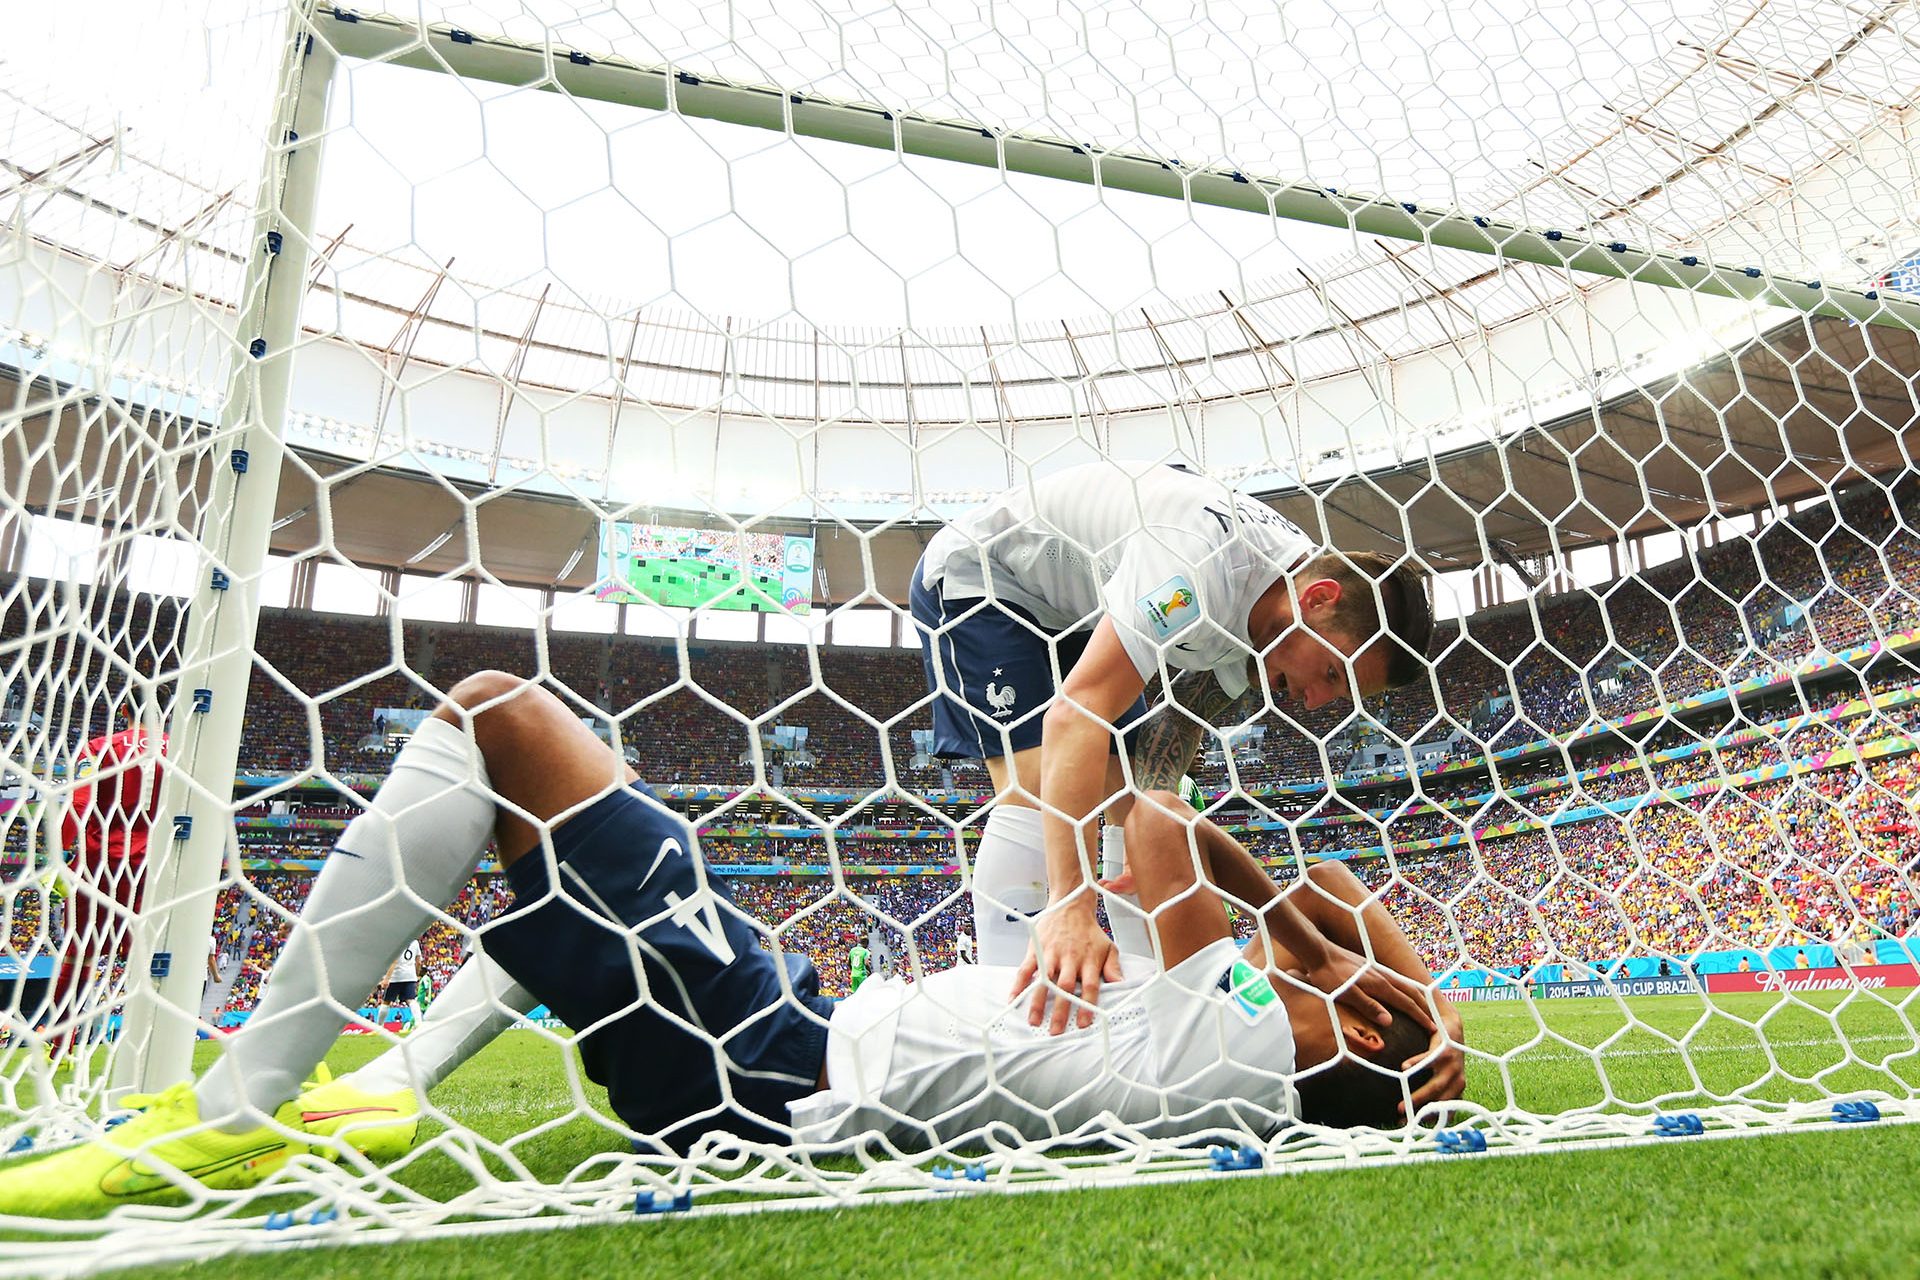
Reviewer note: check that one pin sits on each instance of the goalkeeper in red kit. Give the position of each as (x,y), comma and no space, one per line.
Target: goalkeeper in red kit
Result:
(104,834)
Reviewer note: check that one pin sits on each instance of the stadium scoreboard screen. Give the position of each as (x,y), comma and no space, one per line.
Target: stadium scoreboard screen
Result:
(688,568)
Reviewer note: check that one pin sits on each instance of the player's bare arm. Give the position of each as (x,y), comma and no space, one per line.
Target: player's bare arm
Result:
(1367,986)
(1167,745)
(1334,899)
(1072,953)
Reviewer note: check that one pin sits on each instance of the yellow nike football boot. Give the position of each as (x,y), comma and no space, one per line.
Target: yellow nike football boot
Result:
(153,1158)
(380,1126)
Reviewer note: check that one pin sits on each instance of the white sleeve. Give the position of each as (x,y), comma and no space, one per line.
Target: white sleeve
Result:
(1220,1032)
(1165,603)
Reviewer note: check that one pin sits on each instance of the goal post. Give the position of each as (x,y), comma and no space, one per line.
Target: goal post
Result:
(636,386)
(448,49)
(193,832)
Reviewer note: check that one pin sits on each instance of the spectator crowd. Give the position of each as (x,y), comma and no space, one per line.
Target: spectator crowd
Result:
(1532,869)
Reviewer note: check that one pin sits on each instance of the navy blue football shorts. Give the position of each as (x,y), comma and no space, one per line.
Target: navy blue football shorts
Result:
(992,665)
(689,1024)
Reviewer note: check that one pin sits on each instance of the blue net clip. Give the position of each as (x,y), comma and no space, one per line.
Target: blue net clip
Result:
(1460,1142)
(1858,1111)
(202,701)
(578,58)
(182,825)
(1813,284)
(279,1221)
(22,1143)
(1618,246)
(974,1172)
(1873,295)
(1556,235)
(161,965)
(219,580)
(257,348)
(661,1202)
(345,15)
(1685,1125)
(275,242)
(1689,260)
(1752,273)
(460,37)
(1410,208)
(1480,222)
(321,1217)
(1233,1159)
(238,460)
(1238,176)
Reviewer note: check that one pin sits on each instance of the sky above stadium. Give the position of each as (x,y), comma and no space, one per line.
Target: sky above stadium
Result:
(624,207)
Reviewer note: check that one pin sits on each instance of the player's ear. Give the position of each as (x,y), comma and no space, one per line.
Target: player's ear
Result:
(1320,594)
(1362,1040)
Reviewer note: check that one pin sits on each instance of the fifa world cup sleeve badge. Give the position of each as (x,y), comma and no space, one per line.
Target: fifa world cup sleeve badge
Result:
(1252,991)
(1170,606)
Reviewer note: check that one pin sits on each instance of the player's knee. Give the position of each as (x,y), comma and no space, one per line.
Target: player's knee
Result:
(486,690)
(1154,814)
(1331,876)
(501,706)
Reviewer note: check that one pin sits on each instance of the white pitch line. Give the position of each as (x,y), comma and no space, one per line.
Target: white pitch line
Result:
(1569,1055)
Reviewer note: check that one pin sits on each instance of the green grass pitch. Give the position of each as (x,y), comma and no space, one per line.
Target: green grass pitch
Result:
(1818,1203)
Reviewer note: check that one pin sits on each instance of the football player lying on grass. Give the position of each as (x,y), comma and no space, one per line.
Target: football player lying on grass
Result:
(695,1030)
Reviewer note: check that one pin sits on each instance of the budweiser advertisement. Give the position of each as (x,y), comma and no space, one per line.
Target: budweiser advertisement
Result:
(1868,976)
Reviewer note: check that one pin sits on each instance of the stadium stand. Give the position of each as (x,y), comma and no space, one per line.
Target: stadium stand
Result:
(1743,821)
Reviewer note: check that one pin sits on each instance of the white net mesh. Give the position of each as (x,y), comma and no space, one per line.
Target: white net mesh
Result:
(641,360)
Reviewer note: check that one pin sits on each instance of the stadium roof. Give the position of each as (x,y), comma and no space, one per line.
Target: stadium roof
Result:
(942,329)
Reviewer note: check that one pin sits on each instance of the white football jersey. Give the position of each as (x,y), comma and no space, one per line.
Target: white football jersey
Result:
(407,967)
(1175,558)
(1205,1045)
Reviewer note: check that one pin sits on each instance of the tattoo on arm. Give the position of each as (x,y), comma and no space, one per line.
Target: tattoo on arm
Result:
(1167,746)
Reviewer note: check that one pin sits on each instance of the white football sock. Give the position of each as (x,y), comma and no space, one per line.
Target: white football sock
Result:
(479,1003)
(1009,883)
(409,853)
(1129,923)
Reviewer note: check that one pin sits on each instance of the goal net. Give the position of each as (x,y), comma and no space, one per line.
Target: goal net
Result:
(345,355)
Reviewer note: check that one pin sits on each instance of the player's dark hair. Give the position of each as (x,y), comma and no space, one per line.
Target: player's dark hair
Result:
(1373,588)
(1357,1091)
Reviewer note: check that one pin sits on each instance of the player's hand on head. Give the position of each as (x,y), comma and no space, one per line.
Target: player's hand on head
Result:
(1370,989)
(1071,955)
(1445,1060)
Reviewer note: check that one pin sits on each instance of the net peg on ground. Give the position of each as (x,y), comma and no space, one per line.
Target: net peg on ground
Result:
(974,1172)
(1457,1142)
(661,1202)
(1234,1159)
